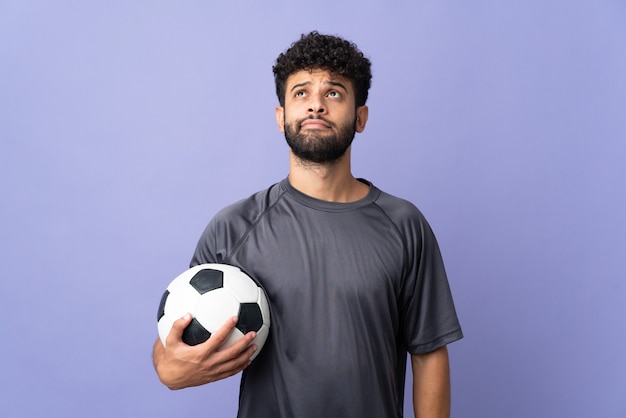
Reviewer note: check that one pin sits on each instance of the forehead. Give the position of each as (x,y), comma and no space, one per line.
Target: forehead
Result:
(316,76)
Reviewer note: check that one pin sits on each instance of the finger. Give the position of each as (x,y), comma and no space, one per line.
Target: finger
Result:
(237,354)
(240,345)
(176,333)
(219,336)
(236,364)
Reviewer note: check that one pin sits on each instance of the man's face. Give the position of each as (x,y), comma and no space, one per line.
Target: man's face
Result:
(319,118)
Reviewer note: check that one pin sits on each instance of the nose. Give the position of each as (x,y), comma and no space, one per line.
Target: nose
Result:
(316,105)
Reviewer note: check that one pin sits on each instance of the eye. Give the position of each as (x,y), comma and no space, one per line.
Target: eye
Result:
(334,94)
(299,94)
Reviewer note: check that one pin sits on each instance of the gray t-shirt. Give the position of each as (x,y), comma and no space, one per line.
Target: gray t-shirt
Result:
(352,288)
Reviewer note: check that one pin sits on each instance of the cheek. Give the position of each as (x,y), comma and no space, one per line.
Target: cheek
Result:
(289,120)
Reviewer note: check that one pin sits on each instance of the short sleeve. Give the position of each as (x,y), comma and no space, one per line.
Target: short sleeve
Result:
(428,314)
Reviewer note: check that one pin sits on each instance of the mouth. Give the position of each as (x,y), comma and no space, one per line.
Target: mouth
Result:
(314,124)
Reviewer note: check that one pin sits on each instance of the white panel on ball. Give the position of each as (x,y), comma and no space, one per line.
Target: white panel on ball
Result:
(215,307)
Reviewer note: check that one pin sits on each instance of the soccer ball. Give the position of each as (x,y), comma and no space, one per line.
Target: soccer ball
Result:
(212,293)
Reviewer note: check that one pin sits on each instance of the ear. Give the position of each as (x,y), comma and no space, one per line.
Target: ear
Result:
(361,118)
(280,118)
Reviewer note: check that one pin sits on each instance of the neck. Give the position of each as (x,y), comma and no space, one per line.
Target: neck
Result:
(331,182)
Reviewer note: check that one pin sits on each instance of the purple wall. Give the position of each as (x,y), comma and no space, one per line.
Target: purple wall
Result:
(124,127)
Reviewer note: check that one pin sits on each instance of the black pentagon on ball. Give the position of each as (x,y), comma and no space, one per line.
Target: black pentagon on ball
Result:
(250,318)
(195,333)
(206,280)
(161,310)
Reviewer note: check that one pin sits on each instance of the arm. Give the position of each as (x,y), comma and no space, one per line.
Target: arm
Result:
(179,365)
(431,384)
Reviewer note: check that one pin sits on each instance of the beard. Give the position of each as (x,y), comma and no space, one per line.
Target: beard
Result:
(316,147)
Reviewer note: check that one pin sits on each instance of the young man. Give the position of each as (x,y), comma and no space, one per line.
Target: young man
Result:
(354,276)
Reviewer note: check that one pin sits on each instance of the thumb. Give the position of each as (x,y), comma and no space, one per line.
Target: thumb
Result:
(176,333)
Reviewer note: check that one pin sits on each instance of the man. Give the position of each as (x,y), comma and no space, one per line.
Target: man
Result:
(354,276)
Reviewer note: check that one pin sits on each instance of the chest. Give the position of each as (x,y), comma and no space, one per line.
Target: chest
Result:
(341,258)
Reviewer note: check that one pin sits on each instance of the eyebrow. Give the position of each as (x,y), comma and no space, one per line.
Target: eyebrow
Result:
(330,82)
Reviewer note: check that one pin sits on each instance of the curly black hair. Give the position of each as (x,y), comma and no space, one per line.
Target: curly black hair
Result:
(325,52)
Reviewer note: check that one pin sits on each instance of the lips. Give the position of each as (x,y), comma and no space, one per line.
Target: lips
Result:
(314,124)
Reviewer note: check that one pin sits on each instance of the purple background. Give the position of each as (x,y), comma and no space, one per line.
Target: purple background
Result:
(126,125)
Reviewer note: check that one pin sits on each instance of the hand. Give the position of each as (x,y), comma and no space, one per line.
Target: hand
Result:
(180,365)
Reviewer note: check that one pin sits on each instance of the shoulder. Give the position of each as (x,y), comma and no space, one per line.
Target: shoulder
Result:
(399,210)
(250,208)
(407,219)
(231,224)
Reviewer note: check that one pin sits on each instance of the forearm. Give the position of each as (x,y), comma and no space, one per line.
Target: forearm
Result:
(431,384)
(157,353)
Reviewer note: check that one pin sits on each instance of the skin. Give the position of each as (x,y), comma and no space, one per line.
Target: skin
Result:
(316,93)
(431,384)
(321,94)
(180,366)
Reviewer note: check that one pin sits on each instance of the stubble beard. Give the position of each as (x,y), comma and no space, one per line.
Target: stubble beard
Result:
(317,148)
